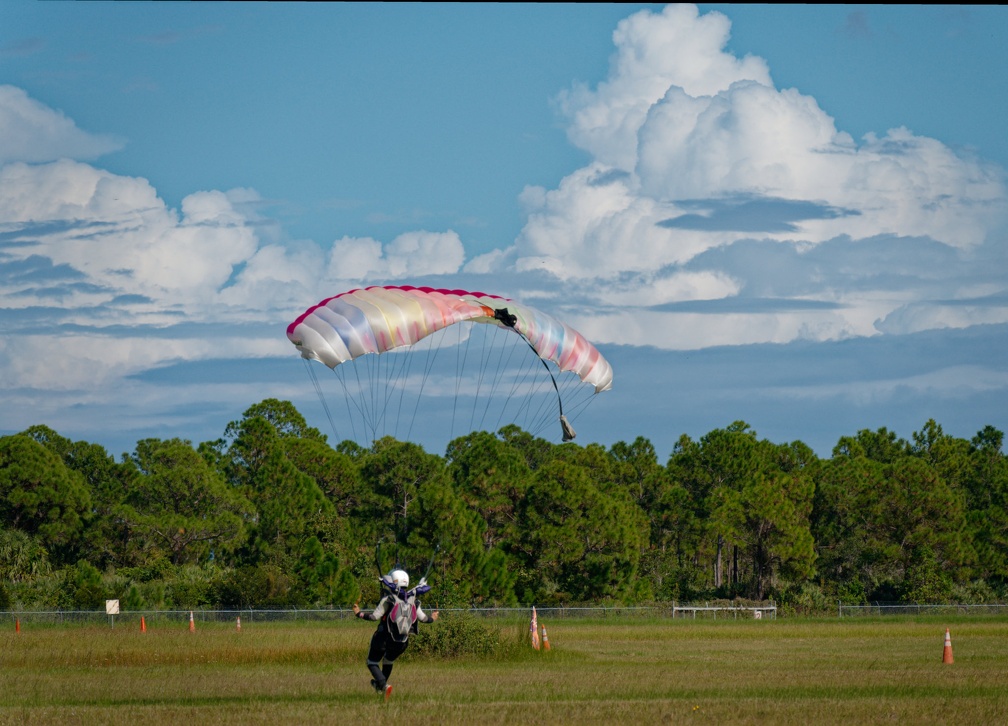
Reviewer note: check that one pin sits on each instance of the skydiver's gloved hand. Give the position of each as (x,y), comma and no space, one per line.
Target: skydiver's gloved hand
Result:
(356,610)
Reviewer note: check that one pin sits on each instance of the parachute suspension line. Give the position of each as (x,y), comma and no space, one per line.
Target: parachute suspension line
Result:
(503,366)
(510,320)
(375,363)
(545,412)
(568,432)
(525,387)
(399,366)
(430,564)
(578,406)
(353,395)
(413,364)
(432,354)
(381,378)
(321,395)
(380,381)
(461,355)
(371,363)
(489,350)
(365,393)
(479,380)
(349,398)
(409,362)
(393,378)
(402,377)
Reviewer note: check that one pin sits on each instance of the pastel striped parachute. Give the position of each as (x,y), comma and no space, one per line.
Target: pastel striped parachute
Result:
(388,319)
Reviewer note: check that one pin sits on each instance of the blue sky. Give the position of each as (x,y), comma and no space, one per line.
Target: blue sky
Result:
(790,215)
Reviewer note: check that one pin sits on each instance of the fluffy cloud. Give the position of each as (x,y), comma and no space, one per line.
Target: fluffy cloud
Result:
(716,210)
(680,127)
(411,254)
(701,166)
(75,237)
(102,281)
(675,48)
(119,236)
(31,131)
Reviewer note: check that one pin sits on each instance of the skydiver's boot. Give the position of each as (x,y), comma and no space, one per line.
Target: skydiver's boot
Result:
(387,671)
(378,682)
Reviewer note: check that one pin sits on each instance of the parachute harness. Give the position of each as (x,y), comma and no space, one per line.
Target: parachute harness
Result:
(404,609)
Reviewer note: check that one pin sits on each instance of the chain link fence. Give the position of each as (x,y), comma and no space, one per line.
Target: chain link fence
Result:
(695,611)
(878,609)
(252,615)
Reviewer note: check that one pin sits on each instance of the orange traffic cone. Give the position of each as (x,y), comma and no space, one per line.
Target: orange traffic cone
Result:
(143,624)
(239,623)
(947,651)
(17,625)
(192,623)
(546,645)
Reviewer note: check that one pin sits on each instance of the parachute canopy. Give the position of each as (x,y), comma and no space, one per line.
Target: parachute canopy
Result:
(380,319)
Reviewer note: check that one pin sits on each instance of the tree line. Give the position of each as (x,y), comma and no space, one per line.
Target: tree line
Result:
(271,516)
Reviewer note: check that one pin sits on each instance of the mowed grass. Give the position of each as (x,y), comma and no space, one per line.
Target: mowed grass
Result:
(785,671)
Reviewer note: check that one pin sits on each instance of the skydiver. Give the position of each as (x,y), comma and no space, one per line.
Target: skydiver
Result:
(397,614)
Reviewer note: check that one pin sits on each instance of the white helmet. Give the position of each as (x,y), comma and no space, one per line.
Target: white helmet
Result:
(400,578)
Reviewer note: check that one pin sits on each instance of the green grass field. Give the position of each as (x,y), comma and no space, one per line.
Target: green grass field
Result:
(600,671)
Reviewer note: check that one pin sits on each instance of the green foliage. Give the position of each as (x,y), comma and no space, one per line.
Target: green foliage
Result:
(925,581)
(179,507)
(85,587)
(263,586)
(578,543)
(133,600)
(804,598)
(40,495)
(22,556)
(107,538)
(460,635)
(271,516)
(190,587)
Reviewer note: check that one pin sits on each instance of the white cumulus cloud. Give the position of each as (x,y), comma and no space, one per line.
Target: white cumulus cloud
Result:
(411,254)
(120,237)
(695,151)
(31,131)
(677,47)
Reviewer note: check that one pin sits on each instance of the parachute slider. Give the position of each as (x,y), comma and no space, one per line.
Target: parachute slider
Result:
(568,430)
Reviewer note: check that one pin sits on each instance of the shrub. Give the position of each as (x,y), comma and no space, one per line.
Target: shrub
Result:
(86,588)
(257,586)
(460,634)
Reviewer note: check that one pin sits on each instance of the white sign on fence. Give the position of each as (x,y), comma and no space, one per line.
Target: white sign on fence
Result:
(111,607)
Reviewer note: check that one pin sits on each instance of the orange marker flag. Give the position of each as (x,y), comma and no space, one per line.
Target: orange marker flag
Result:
(534,629)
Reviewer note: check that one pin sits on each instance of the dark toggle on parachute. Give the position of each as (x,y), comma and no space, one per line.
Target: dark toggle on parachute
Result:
(380,320)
